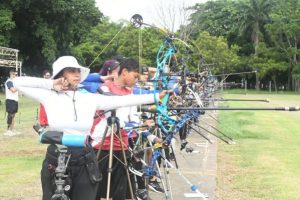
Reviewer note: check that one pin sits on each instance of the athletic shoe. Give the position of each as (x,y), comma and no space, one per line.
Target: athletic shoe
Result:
(9,133)
(134,171)
(153,185)
(142,194)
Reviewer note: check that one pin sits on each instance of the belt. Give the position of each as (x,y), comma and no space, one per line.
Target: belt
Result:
(80,160)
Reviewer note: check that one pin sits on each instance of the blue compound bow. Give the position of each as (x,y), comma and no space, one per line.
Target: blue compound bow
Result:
(166,61)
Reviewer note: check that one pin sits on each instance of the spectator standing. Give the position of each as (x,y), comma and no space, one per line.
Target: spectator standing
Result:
(11,103)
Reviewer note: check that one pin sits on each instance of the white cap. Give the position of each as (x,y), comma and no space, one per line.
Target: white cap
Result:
(69,61)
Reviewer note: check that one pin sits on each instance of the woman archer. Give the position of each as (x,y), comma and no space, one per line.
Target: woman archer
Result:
(70,110)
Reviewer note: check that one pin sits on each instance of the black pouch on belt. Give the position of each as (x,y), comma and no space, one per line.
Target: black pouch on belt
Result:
(92,168)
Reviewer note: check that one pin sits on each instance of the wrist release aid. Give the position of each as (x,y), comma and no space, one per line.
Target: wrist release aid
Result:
(55,137)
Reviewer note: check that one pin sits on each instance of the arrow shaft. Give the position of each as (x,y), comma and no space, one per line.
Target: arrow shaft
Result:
(238,108)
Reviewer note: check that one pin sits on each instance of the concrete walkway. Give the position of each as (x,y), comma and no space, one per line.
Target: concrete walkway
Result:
(199,167)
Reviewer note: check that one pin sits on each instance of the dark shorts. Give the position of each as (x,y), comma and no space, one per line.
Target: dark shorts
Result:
(11,106)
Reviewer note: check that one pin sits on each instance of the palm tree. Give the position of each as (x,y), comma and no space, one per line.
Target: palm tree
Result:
(254,15)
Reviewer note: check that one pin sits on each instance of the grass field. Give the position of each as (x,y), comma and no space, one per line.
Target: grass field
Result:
(264,163)
(20,156)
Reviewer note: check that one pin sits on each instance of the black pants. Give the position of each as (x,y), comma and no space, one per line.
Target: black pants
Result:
(81,186)
(183,132)
(119,188)
(11,109)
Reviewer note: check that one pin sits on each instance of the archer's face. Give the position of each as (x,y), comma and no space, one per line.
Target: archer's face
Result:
(47,75)
(130,78)
(143,77)
(72,75)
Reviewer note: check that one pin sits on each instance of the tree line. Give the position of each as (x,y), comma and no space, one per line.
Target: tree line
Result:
(226,35)
(266,34)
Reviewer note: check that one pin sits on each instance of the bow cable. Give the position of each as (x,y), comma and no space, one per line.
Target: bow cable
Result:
(106,46)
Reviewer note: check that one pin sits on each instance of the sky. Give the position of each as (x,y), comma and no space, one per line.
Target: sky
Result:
(162,13)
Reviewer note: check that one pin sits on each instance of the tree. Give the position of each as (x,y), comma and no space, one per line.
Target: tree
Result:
(215,17)
(267,63)
(285,34)
(220,18)
(216,50)
(47,29)
(109,39)
(97,45)
(254,15)
(148,44)
(6,24)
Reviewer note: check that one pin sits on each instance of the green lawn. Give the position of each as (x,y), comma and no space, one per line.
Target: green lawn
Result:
(264,163)
(20,156)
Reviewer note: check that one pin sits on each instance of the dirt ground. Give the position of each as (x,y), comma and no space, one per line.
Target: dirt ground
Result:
(199,167)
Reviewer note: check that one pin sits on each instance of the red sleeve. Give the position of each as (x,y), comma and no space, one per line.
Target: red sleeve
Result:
(43,116)
(97,120)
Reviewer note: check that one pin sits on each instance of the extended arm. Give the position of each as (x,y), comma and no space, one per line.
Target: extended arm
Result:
(36,88)
(113,102)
